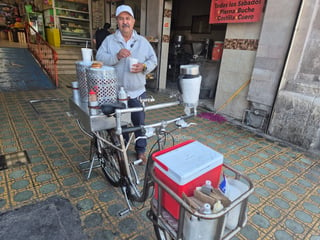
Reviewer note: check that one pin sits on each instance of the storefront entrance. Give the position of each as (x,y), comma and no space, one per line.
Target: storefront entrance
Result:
(192,41)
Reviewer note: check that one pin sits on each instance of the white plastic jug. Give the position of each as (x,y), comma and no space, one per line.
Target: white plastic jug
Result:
(234,188)
(199,229)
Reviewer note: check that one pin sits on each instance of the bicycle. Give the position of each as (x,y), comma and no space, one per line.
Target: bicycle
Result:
(109,148)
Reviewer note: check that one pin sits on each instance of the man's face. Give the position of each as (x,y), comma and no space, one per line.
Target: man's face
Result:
(125,22)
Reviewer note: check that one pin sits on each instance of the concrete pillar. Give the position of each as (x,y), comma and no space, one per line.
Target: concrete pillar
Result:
(165,41)
(296,114)
(274,42)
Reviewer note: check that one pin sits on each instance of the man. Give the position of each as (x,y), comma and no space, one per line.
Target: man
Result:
(101,34)
(116,50)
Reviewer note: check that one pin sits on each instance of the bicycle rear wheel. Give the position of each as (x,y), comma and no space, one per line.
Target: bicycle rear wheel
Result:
(110,158)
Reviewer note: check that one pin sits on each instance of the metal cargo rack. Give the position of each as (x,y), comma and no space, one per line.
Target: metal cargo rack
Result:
(172,228)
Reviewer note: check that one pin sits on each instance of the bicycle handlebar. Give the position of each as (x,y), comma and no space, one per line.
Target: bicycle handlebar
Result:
(131,129)
(158,124)
(139,109)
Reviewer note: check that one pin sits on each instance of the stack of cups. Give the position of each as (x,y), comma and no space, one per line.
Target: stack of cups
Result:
(87,55)
(75,91)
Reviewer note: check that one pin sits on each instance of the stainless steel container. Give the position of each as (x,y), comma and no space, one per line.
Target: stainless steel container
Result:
(82,79)
(190,69)
(104,82)
(189,83)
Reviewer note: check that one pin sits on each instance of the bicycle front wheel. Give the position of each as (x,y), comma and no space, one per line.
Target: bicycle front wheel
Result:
(110,158)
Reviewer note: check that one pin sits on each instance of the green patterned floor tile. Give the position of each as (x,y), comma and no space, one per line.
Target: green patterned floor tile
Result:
(284,205)
(48,189)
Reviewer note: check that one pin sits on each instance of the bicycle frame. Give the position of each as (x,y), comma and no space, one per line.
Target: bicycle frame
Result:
(119,112)
(93,125)
(124,147)
(101,142)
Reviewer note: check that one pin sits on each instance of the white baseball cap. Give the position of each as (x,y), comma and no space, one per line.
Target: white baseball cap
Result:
(124,8)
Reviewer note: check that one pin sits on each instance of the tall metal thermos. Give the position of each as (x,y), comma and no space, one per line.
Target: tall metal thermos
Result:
(189,86)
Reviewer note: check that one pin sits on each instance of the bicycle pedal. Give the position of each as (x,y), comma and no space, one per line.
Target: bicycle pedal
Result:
(137,162)
(124,212)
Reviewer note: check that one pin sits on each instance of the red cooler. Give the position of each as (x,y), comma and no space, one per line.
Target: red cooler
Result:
(184,167)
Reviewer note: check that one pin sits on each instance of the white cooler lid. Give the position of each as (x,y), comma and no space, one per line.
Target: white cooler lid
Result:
(188,162)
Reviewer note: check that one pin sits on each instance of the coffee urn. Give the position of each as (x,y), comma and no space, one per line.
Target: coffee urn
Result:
(189,87)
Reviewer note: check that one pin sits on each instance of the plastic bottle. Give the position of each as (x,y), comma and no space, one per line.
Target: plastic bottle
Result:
(217,207)
(234,189)
(122,96)
(206,209)
(93,103)
(207,187)
(93,96)
(199,228)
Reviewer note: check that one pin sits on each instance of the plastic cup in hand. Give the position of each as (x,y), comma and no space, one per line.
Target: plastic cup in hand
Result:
(131,62)
(86,54)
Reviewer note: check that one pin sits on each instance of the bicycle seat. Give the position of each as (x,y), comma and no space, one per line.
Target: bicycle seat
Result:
(110,108)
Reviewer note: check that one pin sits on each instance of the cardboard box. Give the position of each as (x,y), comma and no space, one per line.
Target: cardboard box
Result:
(184,167)
(4,35)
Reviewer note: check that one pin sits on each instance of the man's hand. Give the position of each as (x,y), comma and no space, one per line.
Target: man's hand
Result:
(138,67)
(123,53)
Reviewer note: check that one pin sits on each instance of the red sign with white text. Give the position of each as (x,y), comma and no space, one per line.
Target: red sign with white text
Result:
(235,11)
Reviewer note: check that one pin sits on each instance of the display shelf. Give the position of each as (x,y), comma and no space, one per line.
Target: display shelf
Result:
(73,20)
(74,31)
(35,19)
(78,15)
(72,5)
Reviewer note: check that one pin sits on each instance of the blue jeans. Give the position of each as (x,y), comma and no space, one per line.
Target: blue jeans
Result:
(137,119)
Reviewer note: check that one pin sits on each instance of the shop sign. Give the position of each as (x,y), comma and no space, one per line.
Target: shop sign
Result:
(235,11)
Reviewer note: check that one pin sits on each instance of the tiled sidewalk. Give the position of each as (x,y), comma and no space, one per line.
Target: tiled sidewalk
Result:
(285,203)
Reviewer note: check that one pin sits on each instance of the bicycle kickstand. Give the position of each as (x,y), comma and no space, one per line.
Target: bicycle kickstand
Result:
(127,210)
